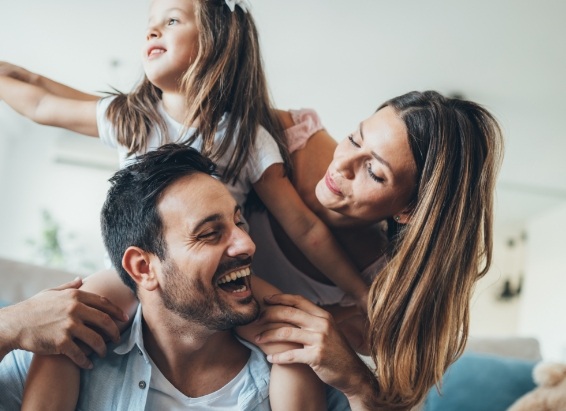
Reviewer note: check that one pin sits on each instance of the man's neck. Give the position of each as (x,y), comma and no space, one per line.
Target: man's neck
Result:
(197,361)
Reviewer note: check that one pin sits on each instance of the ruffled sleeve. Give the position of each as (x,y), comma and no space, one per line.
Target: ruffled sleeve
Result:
(307,122)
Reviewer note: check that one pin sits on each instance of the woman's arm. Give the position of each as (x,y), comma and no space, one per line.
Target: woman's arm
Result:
(42,106)
(54,320)
(324,349)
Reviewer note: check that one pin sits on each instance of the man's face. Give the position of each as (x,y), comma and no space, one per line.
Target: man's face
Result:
(205,277)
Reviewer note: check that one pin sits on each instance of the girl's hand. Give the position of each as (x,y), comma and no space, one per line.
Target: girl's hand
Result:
(325,349)
(60,320)
(16,72)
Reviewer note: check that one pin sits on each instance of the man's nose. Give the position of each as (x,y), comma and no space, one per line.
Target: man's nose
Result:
(241,244)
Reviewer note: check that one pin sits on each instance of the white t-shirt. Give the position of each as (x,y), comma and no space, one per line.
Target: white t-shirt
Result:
(163,395)
(264,154)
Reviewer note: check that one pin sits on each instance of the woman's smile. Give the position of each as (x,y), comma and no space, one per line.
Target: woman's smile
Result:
(331,184)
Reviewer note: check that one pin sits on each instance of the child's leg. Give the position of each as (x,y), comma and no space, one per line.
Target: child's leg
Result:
(52,383)
(293,386)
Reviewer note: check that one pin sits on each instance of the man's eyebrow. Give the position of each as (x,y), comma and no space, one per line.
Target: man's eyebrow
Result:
(213,217)
(373,153)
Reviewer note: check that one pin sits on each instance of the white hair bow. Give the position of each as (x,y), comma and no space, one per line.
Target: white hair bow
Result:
(243,4)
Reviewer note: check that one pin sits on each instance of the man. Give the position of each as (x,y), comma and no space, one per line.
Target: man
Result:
(174,233)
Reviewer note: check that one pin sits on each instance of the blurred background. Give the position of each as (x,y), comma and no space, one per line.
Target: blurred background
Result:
(342,58)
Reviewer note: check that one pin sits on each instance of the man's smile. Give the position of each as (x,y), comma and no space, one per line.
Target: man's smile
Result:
(236,281)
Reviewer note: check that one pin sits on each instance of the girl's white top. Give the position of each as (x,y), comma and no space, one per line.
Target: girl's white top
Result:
(264,154)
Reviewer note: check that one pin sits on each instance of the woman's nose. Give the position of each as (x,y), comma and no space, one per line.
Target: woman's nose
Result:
(345,165)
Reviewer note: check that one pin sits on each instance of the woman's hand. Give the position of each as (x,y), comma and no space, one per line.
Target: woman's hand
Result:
(325,349)
(61,320)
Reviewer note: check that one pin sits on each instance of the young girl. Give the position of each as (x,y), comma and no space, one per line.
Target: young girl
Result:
(204,85)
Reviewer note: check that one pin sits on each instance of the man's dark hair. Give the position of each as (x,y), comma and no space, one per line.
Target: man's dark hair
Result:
(129,215)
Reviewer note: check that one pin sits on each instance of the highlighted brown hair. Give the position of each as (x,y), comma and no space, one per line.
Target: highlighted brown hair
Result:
(419,305)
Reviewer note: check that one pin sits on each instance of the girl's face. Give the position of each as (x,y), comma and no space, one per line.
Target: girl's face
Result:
(171,42)
(373,173)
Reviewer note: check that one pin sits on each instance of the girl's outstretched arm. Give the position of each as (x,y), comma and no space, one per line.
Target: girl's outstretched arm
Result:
(42,106)
(43,389)
(51,86)
(309,233)
(292,386)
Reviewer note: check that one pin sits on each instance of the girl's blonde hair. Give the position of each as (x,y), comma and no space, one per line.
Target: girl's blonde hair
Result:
(419,305)
(226,76)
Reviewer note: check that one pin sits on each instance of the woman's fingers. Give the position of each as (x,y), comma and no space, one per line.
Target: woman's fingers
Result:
(298,302)
(297,311)
(290,357)
(288,334)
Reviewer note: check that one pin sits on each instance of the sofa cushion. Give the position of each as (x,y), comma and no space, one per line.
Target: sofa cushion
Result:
(482,382)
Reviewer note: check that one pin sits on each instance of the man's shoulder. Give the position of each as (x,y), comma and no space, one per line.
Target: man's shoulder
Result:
(260,370)
(13,371)
(336,400)
(255,395)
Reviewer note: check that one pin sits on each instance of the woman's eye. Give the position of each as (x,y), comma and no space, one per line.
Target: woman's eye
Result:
(351,138)
(373,176)
(171,22)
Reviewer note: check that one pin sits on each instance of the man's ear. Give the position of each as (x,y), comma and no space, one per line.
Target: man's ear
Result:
(138,263)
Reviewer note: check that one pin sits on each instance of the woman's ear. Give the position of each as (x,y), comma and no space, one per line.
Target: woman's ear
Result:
(404,217)
(137,263)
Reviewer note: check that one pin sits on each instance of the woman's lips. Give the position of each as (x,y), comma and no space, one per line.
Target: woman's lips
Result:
(331,184)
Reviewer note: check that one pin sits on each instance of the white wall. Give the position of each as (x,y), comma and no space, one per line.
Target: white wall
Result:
(491,315)
(544,304)
(32,180)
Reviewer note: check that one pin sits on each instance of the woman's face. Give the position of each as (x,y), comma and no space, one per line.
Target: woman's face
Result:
(373,174)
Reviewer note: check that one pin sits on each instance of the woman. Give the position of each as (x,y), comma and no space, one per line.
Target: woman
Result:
(424,165)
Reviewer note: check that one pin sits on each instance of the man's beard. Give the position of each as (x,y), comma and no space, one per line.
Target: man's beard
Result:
(201,304)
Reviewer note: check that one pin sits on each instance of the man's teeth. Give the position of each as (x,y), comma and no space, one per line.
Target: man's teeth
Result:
(244,272)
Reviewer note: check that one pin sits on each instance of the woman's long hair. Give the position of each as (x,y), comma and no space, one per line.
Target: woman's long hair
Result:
(419,304)
(226,76)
